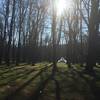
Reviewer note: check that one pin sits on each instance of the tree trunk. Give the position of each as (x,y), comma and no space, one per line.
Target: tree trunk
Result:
(93,30)
(54,38)
(10,36)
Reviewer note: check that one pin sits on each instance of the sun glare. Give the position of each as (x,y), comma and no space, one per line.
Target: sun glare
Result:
(63,5)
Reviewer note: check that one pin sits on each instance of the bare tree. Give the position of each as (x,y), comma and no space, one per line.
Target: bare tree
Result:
(93,31)
(54,19)
(10,35)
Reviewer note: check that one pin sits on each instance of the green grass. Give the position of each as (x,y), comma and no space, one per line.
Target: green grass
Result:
(12,78)
(72,85)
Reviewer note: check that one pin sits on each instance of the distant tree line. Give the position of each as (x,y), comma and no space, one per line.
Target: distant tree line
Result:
(30,31)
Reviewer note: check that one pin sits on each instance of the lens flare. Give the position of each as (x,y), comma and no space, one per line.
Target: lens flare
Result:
(62,6)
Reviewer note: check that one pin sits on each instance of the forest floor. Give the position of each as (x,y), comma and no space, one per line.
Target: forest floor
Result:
(26,82)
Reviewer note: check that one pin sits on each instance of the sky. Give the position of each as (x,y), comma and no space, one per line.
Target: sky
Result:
(0,1)
(48,31)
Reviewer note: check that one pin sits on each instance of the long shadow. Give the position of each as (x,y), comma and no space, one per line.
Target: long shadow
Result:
(57,88)
(92,83)
(12,78)
(39,91)
(95,89)
(13,69)
(10,70)
(12,74)
(14,93)
(17,76)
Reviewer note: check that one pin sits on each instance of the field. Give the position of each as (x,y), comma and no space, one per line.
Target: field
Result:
(26,82)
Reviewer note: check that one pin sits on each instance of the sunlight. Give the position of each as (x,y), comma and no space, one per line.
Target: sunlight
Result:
(63,5)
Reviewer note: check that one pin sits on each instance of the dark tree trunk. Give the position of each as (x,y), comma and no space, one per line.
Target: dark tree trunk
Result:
(54,39)
(19,33)
(10,36)
(5,30)
(93,30)
(0,50)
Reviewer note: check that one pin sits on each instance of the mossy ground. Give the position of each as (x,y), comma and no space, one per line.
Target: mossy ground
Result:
(72,85)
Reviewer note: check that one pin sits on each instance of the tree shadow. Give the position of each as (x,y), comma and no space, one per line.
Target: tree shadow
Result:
(57,90)
(13,94)
(40,90)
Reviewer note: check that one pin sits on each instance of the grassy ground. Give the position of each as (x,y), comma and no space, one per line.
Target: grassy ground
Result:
(69,83)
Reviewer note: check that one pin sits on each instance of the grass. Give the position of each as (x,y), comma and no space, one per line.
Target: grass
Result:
(72,85)
(12,78)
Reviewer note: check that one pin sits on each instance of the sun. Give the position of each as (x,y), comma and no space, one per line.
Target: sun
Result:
(62,6)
